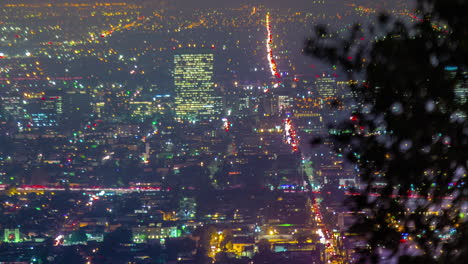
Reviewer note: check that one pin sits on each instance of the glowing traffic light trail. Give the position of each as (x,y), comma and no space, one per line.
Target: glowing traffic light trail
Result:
(290,134)
(271,61)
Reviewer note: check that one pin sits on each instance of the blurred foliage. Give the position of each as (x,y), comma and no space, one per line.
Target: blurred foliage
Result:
(410,133)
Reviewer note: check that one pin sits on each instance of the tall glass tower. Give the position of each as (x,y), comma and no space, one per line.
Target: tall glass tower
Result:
(194,86)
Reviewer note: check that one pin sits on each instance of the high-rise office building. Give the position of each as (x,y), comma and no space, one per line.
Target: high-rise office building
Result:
(461,89)
(45,111)
(326,86)
(76,108)
(13,107)
(194,87)
(285,102)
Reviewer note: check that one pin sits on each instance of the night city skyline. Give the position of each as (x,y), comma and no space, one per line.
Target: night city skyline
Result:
(265,131)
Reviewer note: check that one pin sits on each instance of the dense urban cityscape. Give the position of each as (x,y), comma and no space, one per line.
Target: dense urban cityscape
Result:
(154,132)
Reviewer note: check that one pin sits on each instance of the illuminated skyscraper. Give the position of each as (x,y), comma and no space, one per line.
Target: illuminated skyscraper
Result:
(194,87)
(326,86)
(13,107)
(45,111)
(461,88)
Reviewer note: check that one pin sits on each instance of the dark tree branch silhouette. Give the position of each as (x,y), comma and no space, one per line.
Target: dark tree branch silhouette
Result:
(410,132)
